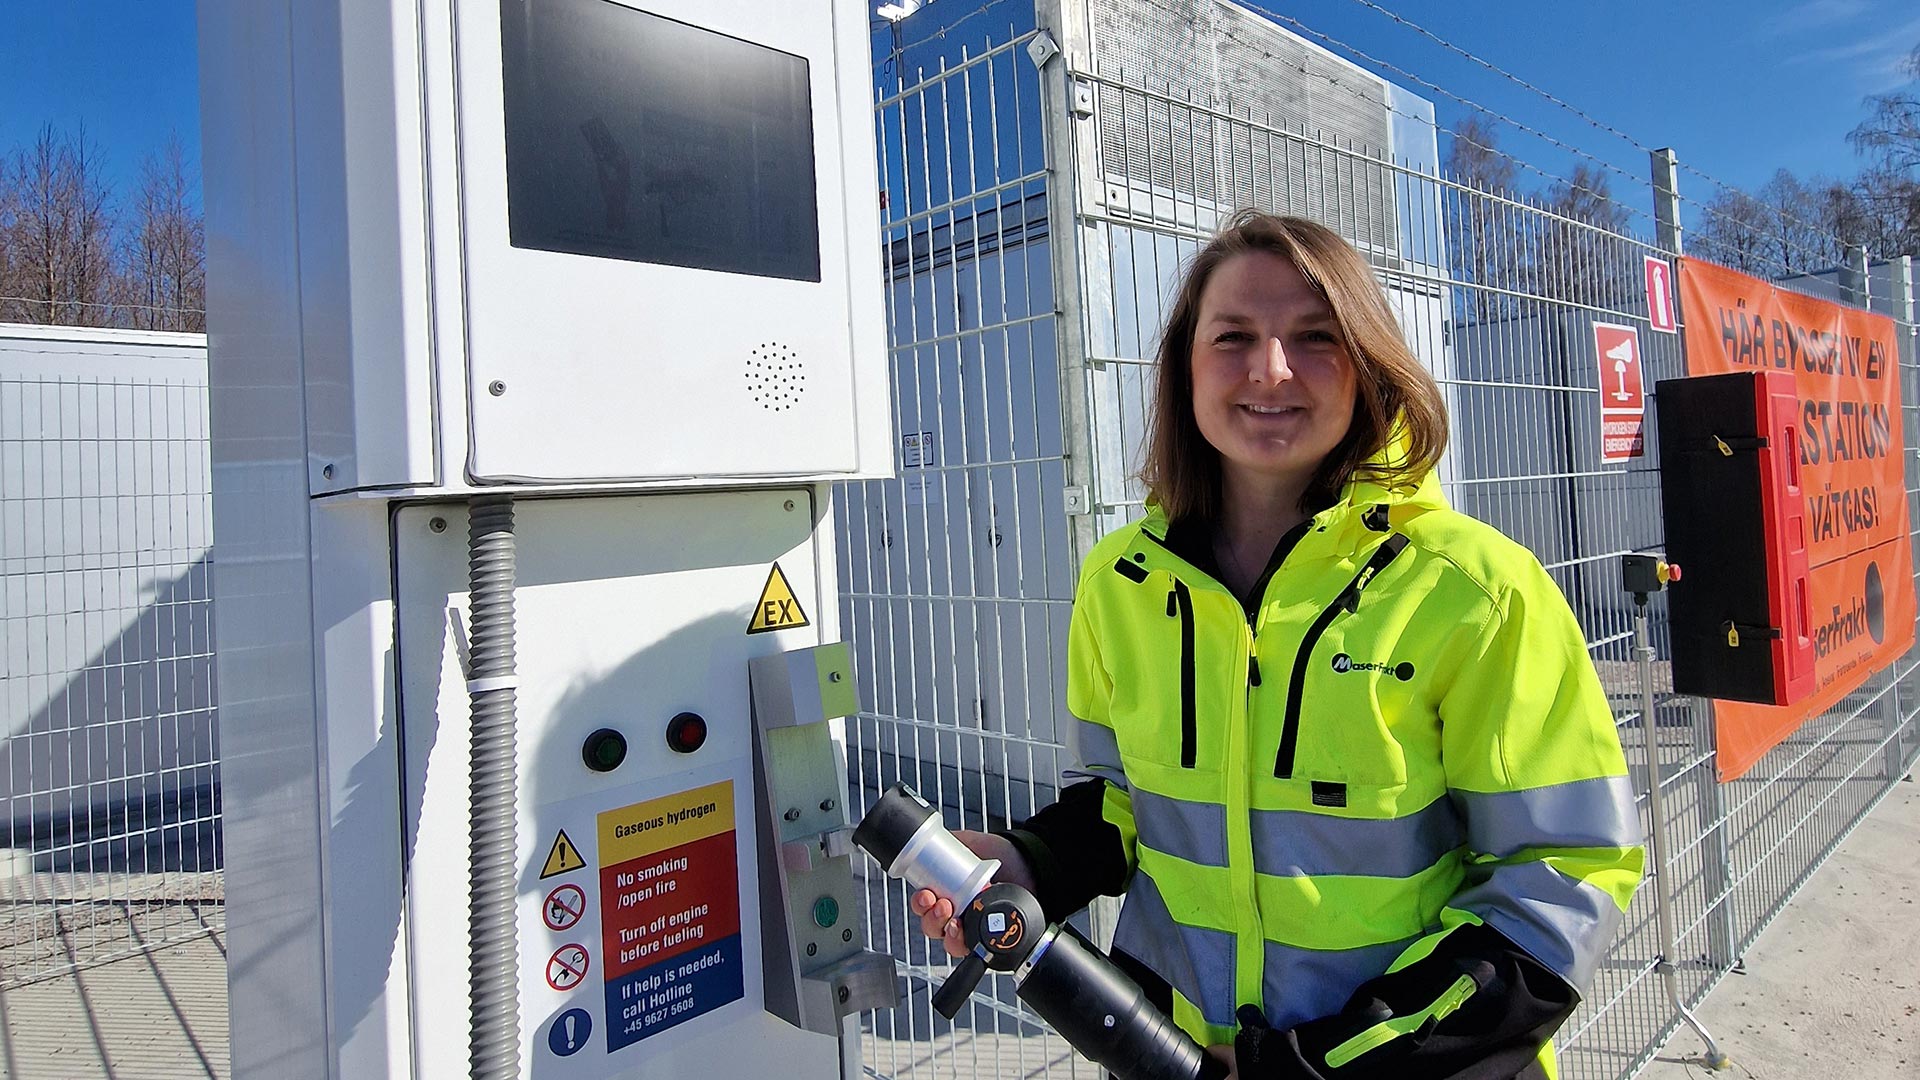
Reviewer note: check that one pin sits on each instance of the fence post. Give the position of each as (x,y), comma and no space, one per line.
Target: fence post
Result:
(1716,858)
(1666,200)
(1895,714)
(1067,104)
(1853,278)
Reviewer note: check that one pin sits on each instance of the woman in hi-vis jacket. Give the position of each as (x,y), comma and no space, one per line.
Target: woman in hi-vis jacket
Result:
(1341,747)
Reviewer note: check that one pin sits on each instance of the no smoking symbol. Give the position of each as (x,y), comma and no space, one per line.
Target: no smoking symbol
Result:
(567,967)
(563,907)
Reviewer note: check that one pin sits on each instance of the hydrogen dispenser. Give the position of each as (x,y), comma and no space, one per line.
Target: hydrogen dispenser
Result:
(538,331)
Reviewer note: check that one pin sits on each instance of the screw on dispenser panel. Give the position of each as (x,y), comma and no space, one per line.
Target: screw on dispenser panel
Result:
(496,388)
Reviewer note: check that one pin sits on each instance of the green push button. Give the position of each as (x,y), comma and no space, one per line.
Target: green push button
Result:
(826,911)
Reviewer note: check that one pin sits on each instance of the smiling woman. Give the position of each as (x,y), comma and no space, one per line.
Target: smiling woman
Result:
(1388,838)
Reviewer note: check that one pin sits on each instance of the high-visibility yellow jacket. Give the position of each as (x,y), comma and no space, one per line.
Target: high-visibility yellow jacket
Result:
(1395,757)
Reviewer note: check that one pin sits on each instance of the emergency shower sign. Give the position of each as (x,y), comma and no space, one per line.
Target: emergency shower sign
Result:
(669,911)
(1623,403)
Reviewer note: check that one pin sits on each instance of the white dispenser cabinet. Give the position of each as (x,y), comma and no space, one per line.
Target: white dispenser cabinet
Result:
(618,262)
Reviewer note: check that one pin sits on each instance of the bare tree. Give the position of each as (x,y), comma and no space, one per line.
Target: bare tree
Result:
(1482,255)
(163,276)
(9,204)
(1801,240)
(1733,233)
(1891,135)
(1578,257)
(60,239)
(1882,209)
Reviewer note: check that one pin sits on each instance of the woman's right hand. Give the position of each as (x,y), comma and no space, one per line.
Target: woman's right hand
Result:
(937,915)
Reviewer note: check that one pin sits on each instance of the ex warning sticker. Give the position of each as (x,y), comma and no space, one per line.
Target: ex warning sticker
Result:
(778,608)
(562,857)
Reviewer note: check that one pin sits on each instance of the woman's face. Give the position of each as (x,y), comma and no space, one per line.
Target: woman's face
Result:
(1273,385)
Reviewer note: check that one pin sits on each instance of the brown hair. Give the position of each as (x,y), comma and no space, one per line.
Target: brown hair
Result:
(1395,395)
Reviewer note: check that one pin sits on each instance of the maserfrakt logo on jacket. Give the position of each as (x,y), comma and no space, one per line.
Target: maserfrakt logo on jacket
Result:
(1343,664)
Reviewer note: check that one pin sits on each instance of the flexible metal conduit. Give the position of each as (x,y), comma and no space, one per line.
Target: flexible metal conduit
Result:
(494,994)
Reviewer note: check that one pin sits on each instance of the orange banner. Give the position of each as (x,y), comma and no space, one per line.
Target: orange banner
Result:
(1846,366)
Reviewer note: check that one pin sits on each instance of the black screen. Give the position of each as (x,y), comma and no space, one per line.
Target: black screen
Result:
(632,136)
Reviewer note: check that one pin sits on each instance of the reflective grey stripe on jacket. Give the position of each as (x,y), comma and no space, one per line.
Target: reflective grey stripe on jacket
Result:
(1297,984)
(1298,843)
(1196,962)
(1095,753)
(1586,813)
(1563,923)
(1301,984)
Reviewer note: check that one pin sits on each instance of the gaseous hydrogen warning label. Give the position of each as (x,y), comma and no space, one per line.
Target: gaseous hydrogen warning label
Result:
(669,911)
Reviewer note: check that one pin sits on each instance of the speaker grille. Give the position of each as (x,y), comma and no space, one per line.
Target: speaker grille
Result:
(775,376)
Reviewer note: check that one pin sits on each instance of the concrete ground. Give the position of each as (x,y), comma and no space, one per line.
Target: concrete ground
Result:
(1832,988)
(160,1015)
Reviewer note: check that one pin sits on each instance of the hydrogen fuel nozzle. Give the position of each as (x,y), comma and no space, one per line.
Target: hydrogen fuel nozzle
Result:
(1059,974)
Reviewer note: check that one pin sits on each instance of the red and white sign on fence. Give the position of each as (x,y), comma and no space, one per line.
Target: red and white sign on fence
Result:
(1660,295)
(1623,400)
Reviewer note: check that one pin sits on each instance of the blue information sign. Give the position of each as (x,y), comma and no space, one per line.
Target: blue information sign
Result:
(569,1032)
(674,991)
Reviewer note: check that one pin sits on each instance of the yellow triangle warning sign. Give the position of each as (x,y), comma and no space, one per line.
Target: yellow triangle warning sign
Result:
(778,608)
(562,857)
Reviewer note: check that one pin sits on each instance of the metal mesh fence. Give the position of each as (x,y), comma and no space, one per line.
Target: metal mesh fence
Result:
(954,591)
(108,757)
(1135,158)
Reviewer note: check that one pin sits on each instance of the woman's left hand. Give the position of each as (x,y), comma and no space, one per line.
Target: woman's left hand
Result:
(1223,1053)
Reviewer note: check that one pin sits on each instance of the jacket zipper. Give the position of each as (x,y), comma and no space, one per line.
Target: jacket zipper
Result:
(1349,601)
(1181,598)
(1180,602)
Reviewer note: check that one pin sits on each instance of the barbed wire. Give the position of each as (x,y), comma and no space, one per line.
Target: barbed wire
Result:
(895,52)
(1785,241)
(1443,91)
(43,302)
(1583,115)
(1435,125)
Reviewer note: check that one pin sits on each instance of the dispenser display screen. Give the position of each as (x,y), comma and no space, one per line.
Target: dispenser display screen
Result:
(637,137)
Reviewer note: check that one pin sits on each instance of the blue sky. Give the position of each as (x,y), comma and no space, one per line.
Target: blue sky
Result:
(1738,88)
(127,69)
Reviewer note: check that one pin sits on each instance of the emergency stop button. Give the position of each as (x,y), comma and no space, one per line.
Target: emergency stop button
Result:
(686,733)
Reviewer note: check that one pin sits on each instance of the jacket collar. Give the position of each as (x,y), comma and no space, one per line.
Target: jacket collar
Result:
(1365,512)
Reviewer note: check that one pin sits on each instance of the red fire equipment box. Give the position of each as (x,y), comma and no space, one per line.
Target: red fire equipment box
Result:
(1736,519)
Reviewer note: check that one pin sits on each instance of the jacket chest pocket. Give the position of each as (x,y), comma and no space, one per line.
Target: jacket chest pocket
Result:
(1156,699)
(1346,691)
(1365,718)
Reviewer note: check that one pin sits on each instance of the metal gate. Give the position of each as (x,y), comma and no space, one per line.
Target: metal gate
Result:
(1045,174)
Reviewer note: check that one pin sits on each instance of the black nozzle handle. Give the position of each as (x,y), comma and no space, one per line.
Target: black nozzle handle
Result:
(960,985)
(1105,1015)
(891,823)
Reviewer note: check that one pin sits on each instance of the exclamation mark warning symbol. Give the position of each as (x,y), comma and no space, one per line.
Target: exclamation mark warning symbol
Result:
(561,857)
(569,1032)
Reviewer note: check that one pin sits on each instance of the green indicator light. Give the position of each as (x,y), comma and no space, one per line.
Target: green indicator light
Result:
(826,911)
